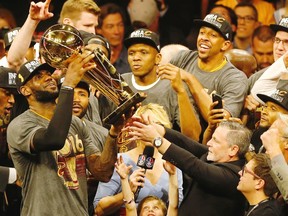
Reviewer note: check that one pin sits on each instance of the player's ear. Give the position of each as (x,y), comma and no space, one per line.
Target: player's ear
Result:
(25,90)
(67,21)
(226,45)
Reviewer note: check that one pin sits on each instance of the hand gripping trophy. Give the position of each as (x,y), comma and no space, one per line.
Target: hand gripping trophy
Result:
(61,43)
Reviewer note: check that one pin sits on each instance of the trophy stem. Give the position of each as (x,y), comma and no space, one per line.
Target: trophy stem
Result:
(123,108)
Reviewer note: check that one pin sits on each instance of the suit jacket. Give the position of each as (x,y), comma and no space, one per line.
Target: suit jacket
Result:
(212,189)
(279,173)
(4,176)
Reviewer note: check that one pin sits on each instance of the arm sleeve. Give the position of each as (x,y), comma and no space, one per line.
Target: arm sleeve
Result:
(279,173)
(53,137)
(185,142)
(267,83)
(215,177)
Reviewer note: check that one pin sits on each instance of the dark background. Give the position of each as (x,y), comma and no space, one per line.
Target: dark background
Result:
(181,12)
(20,10)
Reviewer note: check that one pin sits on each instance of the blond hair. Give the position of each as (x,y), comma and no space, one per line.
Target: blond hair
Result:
(73,8)
(159,112)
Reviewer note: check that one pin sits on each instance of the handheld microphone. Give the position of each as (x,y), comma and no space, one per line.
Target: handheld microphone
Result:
(145,161)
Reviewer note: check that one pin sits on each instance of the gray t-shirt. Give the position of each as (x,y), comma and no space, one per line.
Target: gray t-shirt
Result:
(229,82)
(161,93)
(254,77)
(54,182)
(92,113)
(98,133)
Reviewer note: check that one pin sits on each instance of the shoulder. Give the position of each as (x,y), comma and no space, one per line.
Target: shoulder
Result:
(234,166)
(127,76)
(27,118)
(258,74)
(184,56)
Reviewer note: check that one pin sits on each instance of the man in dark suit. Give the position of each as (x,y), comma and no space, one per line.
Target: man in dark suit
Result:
(212,169)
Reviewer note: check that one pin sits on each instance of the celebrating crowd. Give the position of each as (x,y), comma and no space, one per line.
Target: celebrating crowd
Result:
(203,129)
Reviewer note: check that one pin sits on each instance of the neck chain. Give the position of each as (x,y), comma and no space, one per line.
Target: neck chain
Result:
(263,201)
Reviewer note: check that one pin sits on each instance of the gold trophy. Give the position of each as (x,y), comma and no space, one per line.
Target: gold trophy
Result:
(61,43)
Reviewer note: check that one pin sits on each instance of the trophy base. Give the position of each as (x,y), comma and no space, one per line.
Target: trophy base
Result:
(123,108)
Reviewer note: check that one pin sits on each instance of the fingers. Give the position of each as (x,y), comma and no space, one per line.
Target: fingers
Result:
(138,177)
(47,3)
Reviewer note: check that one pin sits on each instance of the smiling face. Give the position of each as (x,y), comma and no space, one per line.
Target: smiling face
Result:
(210,43)
(218,147)
(246,22)
(42,86)
(270,113)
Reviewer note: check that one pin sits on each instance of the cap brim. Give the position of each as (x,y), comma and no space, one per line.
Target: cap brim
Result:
(266,98)
(130,41)
(84,85)
(44,66)
(199,23)
(276,28)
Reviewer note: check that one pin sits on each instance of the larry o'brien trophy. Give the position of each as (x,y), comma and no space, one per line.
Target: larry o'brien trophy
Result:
(61,43)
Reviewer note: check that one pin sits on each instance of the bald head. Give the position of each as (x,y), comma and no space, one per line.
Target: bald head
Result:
(242,60)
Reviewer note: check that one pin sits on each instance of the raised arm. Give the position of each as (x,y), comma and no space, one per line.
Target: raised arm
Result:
(128,196)
(201,97)
(215,117)
(173,189)
(37,12)
(109,203)
(279,170)
(53,138)
(189,123)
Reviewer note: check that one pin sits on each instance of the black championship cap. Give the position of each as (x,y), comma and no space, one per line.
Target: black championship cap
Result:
(82,84)
(280,96)
(218,23)
(7,78)
(90,38)
(28,69)
(143,36)
(10,35)
(281,26)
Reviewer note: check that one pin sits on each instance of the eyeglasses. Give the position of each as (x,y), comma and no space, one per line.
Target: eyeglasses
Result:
(278,40)
(247,19)
(246,170)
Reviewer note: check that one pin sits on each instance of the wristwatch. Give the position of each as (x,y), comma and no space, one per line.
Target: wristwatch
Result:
(158,141)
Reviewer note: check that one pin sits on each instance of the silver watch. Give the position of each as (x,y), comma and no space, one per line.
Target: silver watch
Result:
(157,142)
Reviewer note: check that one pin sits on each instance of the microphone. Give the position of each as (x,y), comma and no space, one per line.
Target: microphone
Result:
(145,161)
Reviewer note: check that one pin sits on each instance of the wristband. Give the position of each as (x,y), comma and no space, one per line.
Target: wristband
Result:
(113,136)
(67,87)
(128,202)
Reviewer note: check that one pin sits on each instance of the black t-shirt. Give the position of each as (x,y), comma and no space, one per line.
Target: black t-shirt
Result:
(265,208)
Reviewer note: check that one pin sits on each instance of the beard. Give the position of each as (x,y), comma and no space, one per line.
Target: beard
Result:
(45,96)
(4,121)
(83,113)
